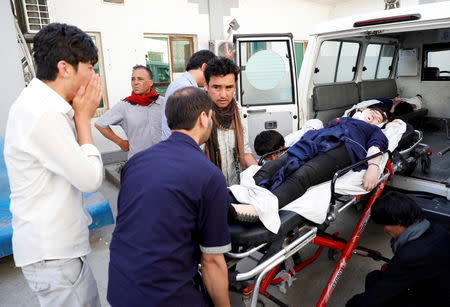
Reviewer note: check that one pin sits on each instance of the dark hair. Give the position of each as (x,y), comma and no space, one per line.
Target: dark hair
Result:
(395,208)
(185,105)
(221,66)
(199,58)
(268,141)
(403,108)
(150,74)
(61,42)
(383,113)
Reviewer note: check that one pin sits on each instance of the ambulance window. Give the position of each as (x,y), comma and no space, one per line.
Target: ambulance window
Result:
(378,61)
(436,62)
(266,75)
(336,62)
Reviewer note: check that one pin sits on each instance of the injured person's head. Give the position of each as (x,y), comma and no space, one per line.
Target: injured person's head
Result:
(374,116)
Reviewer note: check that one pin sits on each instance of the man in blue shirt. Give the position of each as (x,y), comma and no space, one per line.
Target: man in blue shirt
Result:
(193,76)
(172,215)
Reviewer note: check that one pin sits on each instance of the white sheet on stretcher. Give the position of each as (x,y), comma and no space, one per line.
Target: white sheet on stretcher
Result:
(313,205)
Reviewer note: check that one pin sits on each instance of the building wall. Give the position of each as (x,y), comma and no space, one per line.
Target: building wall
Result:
(122,29)
(267,16)
(355,7)
(11,76)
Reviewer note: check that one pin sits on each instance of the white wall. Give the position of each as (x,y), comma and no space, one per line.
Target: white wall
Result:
(122,29)
(11,76)
(268,16)
(355,7)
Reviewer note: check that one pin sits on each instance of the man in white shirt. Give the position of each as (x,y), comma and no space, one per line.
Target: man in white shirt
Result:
(139,115)
(51,160)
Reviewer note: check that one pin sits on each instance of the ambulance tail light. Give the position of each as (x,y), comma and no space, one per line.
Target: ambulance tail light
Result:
(384,20)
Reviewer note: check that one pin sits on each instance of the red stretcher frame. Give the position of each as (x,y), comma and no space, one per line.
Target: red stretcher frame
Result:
(322,240)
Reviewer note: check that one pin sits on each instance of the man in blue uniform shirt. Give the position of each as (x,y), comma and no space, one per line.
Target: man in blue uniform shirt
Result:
(172,215)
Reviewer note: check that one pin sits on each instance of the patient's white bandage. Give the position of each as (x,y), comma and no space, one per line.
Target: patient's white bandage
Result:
(313,205)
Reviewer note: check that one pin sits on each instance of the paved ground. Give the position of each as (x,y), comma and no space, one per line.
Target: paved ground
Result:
(305,290)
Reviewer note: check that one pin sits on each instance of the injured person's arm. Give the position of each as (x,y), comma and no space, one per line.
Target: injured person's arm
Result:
(370,178)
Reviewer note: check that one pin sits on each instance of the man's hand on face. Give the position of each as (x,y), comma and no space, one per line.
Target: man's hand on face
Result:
(86,101)
(124,145)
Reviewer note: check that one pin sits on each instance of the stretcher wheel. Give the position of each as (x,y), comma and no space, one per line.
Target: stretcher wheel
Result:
(333,254)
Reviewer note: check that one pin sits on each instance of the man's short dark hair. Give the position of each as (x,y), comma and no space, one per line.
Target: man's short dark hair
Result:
(395,208)
(268,141)
(150,73)
(57,42)
(221,66)
(185,105)
(199,58)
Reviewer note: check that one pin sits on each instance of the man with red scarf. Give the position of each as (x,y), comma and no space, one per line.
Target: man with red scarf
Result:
(139,115)
(227,146)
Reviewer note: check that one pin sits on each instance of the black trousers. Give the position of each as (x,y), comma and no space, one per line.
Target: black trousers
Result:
(316,170)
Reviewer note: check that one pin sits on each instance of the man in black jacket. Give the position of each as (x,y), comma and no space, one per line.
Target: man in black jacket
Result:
(418,273)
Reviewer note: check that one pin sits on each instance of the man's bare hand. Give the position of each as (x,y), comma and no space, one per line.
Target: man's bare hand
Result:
(124,145)
(370,177)
(229,54)
(86,101)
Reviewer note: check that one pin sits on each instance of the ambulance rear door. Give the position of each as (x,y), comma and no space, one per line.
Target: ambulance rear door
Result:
(267,85)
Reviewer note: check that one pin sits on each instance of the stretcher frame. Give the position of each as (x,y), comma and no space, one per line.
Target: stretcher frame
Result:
(265,271)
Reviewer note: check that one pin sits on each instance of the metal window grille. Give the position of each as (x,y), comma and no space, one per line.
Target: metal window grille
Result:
(36,14)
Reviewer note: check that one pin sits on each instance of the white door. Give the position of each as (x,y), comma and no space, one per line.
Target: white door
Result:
(267,85)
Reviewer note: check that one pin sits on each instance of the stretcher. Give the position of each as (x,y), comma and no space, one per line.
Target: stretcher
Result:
(295,231)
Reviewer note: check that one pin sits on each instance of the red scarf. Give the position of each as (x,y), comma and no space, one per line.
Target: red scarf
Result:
(142,100)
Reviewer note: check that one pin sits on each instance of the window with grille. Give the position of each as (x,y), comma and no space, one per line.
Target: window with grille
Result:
(35,15)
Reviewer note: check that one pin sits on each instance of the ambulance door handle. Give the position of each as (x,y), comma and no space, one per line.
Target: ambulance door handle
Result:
(257,111)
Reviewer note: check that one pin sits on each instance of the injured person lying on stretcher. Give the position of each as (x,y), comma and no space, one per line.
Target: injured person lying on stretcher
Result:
(316,157)
(283,232)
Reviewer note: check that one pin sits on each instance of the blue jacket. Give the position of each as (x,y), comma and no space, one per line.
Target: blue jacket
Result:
(357,135)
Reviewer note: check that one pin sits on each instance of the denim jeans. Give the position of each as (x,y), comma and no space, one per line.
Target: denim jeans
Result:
(63,282)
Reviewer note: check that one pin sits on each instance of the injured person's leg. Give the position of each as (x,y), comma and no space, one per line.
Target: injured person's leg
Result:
(315,171)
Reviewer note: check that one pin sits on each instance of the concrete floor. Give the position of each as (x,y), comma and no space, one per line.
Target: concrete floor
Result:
(305,290)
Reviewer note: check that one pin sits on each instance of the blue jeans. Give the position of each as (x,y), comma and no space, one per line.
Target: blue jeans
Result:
(63,282)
